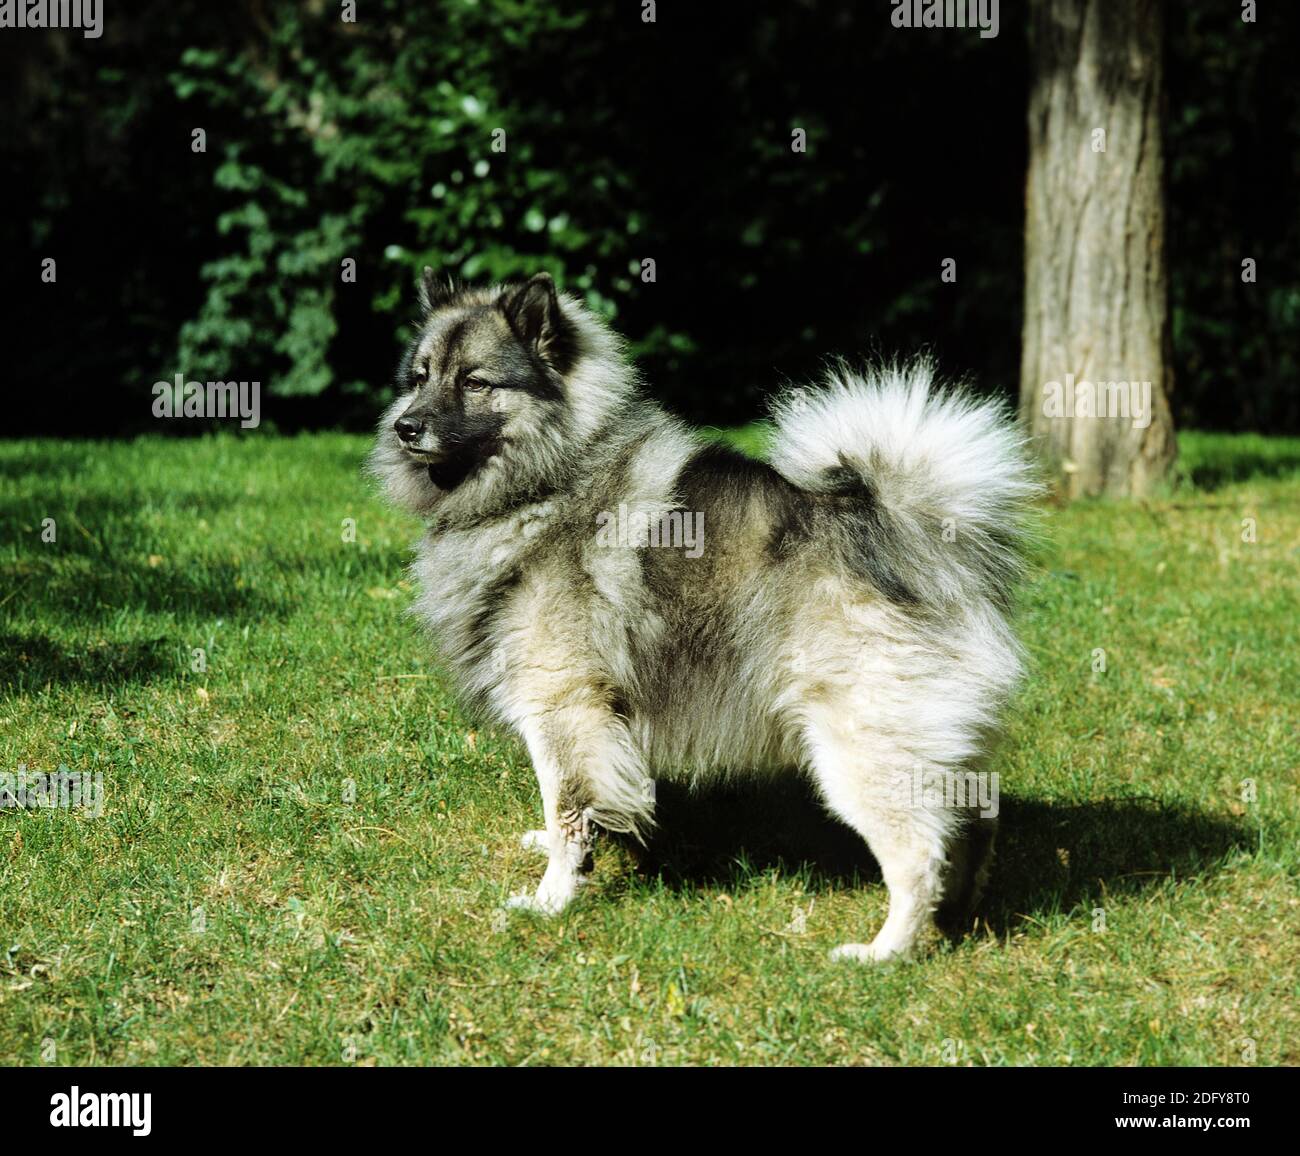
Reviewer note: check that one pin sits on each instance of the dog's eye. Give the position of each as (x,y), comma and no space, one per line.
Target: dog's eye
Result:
(419,377)
(476,386)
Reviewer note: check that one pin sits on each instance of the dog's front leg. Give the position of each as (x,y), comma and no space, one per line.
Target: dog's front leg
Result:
(568,851)
(567,838)
(589,772)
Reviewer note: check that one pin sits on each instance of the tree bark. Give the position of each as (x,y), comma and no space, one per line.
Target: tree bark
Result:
(1096,295)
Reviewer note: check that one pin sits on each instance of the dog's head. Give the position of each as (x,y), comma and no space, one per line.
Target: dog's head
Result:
(494,392)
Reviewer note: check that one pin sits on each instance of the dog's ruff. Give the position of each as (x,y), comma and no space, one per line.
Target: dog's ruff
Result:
(846,615)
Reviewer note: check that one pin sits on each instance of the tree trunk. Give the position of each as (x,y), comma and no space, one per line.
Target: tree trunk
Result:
(1096,333)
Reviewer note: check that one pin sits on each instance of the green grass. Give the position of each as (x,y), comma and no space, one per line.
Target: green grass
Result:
(232,906)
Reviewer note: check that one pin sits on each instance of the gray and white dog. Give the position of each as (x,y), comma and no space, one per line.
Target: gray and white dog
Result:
(637,603)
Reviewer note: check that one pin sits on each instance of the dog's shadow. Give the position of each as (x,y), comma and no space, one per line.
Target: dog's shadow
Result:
(1050,856)
(28,662)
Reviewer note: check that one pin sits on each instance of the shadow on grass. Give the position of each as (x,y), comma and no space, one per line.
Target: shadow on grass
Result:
(1051,856)
(29,663)
(193,593)
(1216,468)
(100,564)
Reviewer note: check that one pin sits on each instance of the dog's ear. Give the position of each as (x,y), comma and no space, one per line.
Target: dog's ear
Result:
(533,311)
(435,291)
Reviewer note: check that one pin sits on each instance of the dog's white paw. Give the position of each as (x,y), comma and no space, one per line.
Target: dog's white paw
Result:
(539,903)
(553,894)
(535,841)
(866,953)
(526,902)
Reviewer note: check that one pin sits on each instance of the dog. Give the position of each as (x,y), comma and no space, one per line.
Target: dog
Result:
(636,602)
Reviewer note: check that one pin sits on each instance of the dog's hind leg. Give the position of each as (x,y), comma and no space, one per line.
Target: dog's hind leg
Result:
(867,781)
(590,774)
(970,857)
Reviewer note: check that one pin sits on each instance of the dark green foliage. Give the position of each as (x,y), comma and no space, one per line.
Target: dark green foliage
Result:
(373,141)
(1233,155)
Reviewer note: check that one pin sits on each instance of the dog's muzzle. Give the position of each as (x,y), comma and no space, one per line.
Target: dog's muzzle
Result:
(416,438)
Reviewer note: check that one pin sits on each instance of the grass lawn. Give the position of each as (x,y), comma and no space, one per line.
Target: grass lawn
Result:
(304,847)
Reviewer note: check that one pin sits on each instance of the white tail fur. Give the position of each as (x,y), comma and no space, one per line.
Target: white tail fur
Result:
(946,474)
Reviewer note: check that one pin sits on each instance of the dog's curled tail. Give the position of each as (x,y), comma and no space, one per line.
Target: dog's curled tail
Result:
(930,487)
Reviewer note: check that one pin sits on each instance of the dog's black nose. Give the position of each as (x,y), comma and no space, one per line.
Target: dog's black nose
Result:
(408,428)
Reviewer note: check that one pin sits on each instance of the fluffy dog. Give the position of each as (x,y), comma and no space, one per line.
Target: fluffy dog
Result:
(638,603)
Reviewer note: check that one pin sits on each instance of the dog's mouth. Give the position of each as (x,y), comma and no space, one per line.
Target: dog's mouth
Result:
(419,455)
(447,470)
